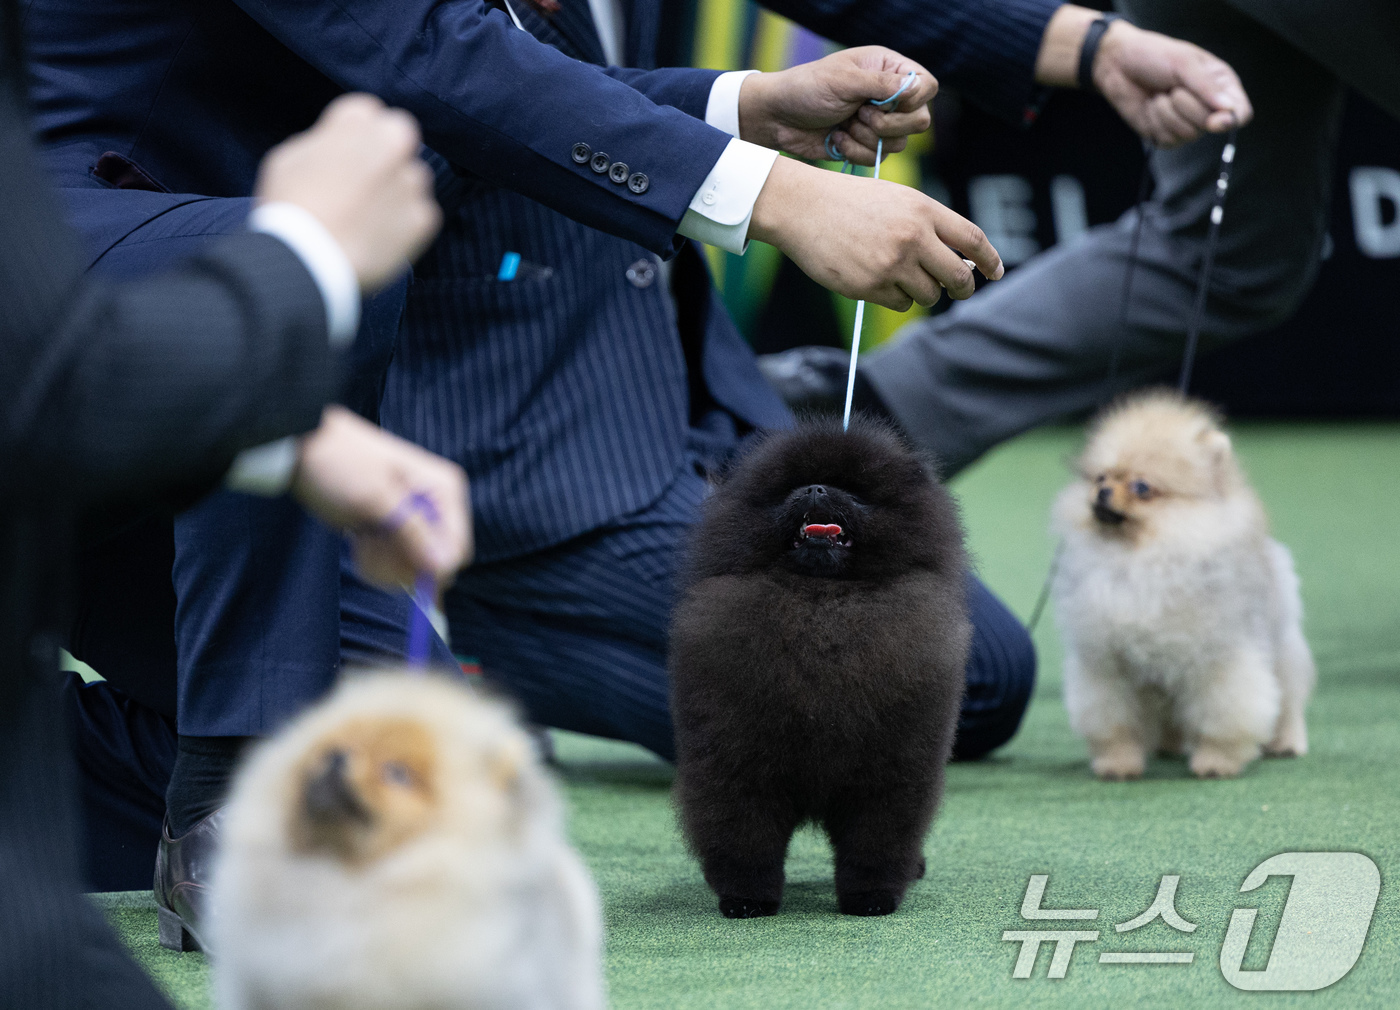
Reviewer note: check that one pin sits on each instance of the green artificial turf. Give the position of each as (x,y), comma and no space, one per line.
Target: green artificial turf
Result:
(1333,492)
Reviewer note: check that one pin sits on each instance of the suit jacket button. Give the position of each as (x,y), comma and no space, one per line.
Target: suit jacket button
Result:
(600,163)
(582,152)
(639,183)
(642,274)
(618,173)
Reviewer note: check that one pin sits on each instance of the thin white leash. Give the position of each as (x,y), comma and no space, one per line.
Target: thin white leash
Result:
(887,103)
(513,16)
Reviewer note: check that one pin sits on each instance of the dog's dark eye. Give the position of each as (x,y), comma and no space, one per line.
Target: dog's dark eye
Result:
(1141,489)
(397,774)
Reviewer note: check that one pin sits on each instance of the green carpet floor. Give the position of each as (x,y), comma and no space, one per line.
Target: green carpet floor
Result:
(1333,492)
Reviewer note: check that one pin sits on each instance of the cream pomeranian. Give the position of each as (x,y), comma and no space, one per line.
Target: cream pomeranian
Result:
(400,847)
(1180,616)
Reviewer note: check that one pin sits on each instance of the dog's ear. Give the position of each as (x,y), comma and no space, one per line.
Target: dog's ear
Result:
(506,762)
(1217,442)
(1079,466)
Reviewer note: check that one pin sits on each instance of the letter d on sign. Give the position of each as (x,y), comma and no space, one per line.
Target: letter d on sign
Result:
(1371,188)
(1323,927)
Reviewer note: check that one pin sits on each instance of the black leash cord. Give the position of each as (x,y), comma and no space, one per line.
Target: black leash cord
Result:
(1044,596)
(1217,214)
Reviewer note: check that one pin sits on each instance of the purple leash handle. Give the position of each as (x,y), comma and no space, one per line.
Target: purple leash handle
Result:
(420,628)
(415,501)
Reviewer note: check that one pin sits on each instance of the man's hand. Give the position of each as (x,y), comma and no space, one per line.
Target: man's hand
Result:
(358,171)
(866,238)
(356,477)
(1168,90)
(794,110)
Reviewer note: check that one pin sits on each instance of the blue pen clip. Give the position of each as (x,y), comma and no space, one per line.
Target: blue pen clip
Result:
(510,266)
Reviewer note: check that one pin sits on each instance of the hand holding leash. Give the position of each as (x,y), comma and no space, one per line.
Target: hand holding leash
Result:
(357,477)
(845,98)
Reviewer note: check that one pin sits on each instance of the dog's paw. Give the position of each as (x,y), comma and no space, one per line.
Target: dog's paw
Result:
(746,908)
(1119,764)
(1212,762)
(867,902)
(1290,741)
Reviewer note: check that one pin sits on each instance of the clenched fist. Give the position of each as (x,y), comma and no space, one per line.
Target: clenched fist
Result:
(358,172)
(794,110)
(1168,90)
(359,478)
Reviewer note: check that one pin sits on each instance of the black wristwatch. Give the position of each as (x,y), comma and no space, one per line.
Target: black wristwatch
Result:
(1090,48)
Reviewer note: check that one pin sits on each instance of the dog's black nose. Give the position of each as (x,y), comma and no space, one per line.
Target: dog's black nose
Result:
(1105,495)
(816,490)
(328,796)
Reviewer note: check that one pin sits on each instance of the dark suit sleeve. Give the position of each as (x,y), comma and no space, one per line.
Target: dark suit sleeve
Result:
(506,107)
(984,48)
(143,387)
(679,87)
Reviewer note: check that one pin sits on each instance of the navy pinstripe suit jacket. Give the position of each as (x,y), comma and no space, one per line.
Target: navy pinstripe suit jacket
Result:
(568,392)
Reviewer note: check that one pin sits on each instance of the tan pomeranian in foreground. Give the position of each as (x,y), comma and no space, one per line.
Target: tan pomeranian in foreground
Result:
(1180,616)
(400,847)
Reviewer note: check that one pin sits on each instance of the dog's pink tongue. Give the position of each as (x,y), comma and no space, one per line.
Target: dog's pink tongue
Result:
(818,530)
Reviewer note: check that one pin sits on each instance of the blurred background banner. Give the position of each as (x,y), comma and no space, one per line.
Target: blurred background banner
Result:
(1079,166)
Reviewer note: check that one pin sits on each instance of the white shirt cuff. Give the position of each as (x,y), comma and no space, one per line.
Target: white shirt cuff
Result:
(722,208)
(265,469)
(722,110)
(323,258)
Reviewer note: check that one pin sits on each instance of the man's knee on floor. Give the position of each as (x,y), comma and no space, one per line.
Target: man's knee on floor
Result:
(1259,295)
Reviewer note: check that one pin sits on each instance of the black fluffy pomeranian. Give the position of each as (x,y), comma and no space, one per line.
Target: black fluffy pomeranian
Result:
(817,658)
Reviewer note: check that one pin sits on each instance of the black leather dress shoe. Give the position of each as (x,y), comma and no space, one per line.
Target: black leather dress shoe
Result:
(808,378)
(182,882)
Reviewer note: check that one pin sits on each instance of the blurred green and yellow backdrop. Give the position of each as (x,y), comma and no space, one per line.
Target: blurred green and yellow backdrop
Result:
(740,35)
